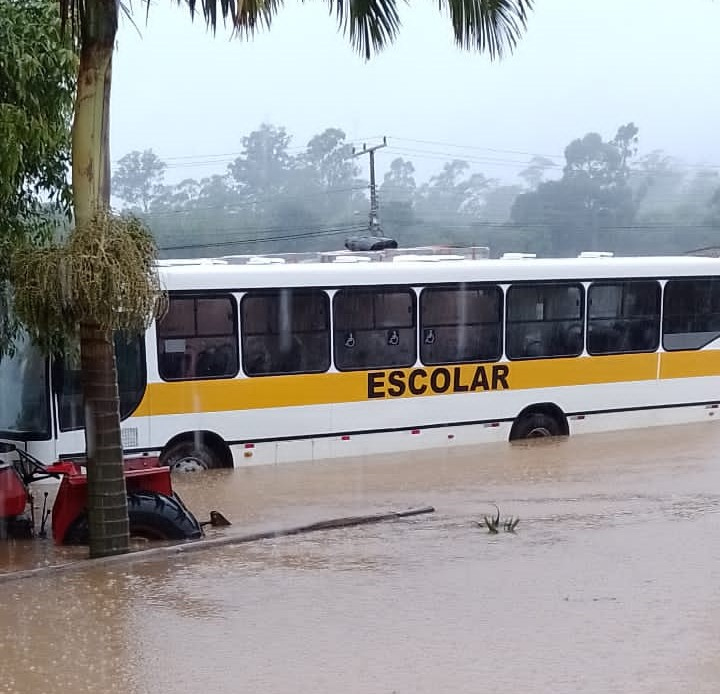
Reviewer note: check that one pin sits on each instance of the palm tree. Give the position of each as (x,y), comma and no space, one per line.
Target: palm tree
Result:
(490,26)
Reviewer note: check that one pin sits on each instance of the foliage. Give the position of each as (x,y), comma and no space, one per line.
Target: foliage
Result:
(37,86)
(103,274)
(489,26)
(313,199)
(593,193)
(138,178)
(267,191)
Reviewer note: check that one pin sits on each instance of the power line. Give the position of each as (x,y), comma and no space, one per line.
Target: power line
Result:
(287,237)
(475,147)
(453,156)
(188,161)
(220,157)
(254,201)
(320,232)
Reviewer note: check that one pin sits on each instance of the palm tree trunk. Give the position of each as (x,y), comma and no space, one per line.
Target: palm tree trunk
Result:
(107,498)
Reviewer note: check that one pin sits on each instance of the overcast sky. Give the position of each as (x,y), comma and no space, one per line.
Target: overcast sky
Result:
(583,65)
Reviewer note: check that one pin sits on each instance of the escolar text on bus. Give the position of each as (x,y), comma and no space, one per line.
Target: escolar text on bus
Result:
(382,384)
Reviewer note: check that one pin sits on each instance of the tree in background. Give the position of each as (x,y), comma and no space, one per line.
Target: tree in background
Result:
(593,193)
(668,208)
(138,178)
(535,172)
(37,87)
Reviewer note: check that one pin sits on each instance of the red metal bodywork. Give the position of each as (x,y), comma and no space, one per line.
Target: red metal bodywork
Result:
(13,494)
(141,474)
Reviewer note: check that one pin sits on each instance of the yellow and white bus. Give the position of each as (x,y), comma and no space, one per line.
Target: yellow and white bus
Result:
(270,359)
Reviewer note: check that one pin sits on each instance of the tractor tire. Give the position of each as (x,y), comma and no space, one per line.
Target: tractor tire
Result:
(152,516)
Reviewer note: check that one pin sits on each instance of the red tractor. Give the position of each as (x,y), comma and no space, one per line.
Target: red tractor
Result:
(155,511)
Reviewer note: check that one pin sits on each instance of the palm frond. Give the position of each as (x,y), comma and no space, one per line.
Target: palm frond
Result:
(491,26)
(246,16)
(369,24)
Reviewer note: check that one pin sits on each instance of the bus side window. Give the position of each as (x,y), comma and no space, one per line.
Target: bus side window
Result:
(285,331)
(623,317)
(460,323)
(131,373)
(197,338)
(691,317)
(544,320)
(374,328)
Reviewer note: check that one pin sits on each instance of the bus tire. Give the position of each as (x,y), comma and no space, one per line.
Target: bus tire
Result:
(152,516)
(190,456)
(535,425)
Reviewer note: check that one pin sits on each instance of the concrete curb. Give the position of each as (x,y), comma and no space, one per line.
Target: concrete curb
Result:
(144,555)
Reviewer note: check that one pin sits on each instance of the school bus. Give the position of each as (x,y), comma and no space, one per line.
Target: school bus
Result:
(269,359)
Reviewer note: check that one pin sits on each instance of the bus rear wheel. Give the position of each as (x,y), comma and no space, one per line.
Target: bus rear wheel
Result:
(536,425)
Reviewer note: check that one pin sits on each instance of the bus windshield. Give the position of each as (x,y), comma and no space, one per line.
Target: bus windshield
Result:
(24,393)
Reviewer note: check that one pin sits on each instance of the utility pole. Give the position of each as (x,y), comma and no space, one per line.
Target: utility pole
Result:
(374,221)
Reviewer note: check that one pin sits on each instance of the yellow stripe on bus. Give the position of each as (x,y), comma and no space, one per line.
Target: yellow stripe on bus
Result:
(690,364)
(321,389)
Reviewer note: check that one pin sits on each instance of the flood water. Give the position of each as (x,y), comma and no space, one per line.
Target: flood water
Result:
(611,583)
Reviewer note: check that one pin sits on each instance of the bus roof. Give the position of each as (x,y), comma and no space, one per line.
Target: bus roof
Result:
(412,269)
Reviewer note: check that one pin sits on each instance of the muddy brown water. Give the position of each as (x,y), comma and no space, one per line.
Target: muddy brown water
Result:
(611,584)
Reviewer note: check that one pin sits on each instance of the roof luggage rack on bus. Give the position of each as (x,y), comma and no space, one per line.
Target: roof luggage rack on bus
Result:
(596,254)
(517,256)
(168,262)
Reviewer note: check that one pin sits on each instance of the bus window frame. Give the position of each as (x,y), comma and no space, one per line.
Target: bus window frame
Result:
(387,288)
(577,283)
(57,395)
(683,278)
(605,282)
(457,287)
(271,291)
(203,296)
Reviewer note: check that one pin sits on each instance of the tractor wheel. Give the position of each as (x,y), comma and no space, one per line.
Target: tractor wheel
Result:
(152,516)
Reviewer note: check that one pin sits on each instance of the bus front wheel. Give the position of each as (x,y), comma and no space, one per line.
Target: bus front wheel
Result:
(189,456)
(536,425)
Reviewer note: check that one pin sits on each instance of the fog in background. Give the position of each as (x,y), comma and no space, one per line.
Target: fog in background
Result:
(476,150)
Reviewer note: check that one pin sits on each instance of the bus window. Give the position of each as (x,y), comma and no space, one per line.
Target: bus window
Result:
(691,314)
(197,338)
(374,328)
(285,331)
(544,320)
(623,317)
(131,373)
(460,324)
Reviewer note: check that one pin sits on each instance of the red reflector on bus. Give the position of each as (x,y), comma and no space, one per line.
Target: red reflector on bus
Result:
(249,445)
(345,438)
(492,424)
(415,431)
(714,406)
(451,436)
